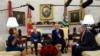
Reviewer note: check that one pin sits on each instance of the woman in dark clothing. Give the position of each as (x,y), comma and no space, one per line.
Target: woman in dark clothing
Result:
(13,42)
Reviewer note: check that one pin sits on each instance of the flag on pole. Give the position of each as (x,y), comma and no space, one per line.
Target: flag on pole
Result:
(10,12)
(29,22)
(65,20)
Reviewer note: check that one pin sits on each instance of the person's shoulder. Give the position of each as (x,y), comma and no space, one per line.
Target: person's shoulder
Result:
(10,37)
(38,31)
(89,32)
(60,30)
(53,30)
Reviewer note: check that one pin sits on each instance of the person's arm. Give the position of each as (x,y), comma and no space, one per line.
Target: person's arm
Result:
(53,36)
(86,39)
(62,34)
(12,40)
(32,37)
(40,37)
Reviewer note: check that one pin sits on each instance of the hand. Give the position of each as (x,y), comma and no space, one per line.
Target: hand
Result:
(59,35)
(41,40)
(73,44)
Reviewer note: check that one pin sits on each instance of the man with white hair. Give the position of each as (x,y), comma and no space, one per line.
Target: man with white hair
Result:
(86,42)
(35,38)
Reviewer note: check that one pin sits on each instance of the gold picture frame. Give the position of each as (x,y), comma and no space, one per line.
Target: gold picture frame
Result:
(20,17)
(46,12)
(74,16)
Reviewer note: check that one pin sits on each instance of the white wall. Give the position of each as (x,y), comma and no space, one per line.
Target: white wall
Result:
(58,12)
(95,11)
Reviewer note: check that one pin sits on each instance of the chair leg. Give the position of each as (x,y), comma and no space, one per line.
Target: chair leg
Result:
(32,50)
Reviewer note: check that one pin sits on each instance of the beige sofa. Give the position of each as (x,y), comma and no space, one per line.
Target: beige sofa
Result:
(3,51)
(93,53)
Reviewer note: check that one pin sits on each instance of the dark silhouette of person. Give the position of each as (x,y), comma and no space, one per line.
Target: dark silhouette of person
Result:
(75,17)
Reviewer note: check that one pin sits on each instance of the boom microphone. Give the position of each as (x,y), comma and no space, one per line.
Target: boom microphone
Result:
(87,3)
(67,3)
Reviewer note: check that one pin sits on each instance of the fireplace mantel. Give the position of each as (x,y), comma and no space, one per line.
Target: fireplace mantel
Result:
(45,28)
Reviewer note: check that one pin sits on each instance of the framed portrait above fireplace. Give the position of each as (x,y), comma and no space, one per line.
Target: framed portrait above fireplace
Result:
(46,12)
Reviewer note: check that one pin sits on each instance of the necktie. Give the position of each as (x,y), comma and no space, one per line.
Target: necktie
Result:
(36,34)
(82,36)
(57,32)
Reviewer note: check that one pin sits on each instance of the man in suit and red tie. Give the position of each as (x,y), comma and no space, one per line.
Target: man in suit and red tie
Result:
(36,38)
(58,37)
(86,42)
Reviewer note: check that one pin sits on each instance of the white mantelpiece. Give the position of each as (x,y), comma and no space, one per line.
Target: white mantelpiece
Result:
(45,28)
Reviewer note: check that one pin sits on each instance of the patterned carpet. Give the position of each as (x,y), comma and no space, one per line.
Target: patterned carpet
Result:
(65,54)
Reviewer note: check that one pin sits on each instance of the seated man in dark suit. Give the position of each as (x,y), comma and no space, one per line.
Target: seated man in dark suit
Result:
(36,38)
(58,37)
(86,42)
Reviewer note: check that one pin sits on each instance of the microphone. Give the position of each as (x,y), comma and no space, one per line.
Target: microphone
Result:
(87,3)
(30,6)
(67,3)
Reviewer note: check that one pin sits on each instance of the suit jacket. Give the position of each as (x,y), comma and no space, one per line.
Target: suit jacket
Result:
(54,36)
(88,40)
(36,36)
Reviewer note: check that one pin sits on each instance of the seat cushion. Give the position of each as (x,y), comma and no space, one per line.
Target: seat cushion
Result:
(91,53)
(97,38)
(5,55)
(2,52)
(14,53)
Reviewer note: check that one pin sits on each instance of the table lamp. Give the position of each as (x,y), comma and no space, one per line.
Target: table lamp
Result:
(88,20)
(12,22)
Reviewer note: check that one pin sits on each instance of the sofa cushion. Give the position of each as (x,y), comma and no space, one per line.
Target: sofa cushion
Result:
(14,53)
(2,44)
(5,55)
(97,38)
(91,53)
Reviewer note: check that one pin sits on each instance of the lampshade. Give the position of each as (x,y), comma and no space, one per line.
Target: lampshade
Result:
(12,22)
(88,19)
